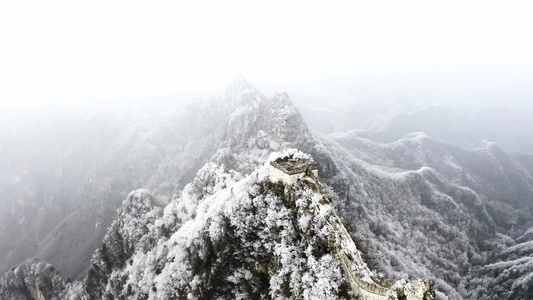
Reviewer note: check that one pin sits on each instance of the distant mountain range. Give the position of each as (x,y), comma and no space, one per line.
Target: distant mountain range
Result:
(388,121)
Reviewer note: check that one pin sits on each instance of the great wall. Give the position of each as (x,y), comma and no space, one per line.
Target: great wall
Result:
(363,283)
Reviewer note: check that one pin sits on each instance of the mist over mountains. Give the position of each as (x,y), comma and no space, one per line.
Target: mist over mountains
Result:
(424,192)
(388,121)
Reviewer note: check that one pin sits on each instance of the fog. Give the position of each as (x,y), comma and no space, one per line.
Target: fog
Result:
(102,98)
(465,56)
(62,51)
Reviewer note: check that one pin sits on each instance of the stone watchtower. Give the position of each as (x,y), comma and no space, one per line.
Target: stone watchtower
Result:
(289,169)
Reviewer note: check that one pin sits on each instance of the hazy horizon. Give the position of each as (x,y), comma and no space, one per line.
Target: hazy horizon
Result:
(454,52)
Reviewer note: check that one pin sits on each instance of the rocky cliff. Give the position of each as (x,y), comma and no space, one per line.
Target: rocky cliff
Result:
(35,280)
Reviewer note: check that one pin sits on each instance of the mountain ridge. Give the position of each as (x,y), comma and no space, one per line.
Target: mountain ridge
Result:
(402,203)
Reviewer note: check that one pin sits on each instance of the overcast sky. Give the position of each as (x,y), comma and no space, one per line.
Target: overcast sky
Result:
(73,50)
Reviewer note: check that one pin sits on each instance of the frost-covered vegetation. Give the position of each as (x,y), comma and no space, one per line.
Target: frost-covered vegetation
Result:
(417,207)
(223,238)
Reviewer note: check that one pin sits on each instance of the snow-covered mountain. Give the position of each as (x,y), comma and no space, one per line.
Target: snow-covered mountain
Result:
(230,236)
(227,236)
(415,206)
(63,190)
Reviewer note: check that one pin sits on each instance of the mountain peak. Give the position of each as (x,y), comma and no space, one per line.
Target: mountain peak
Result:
(239,84)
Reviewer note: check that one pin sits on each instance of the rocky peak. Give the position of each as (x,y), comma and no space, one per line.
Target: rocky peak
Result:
(127,235)
(238,86)
(32,280)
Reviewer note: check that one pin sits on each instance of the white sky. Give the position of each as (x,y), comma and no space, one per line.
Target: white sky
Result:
(117,49)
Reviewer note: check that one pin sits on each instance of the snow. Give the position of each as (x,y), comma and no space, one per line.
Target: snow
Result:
(290,153)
